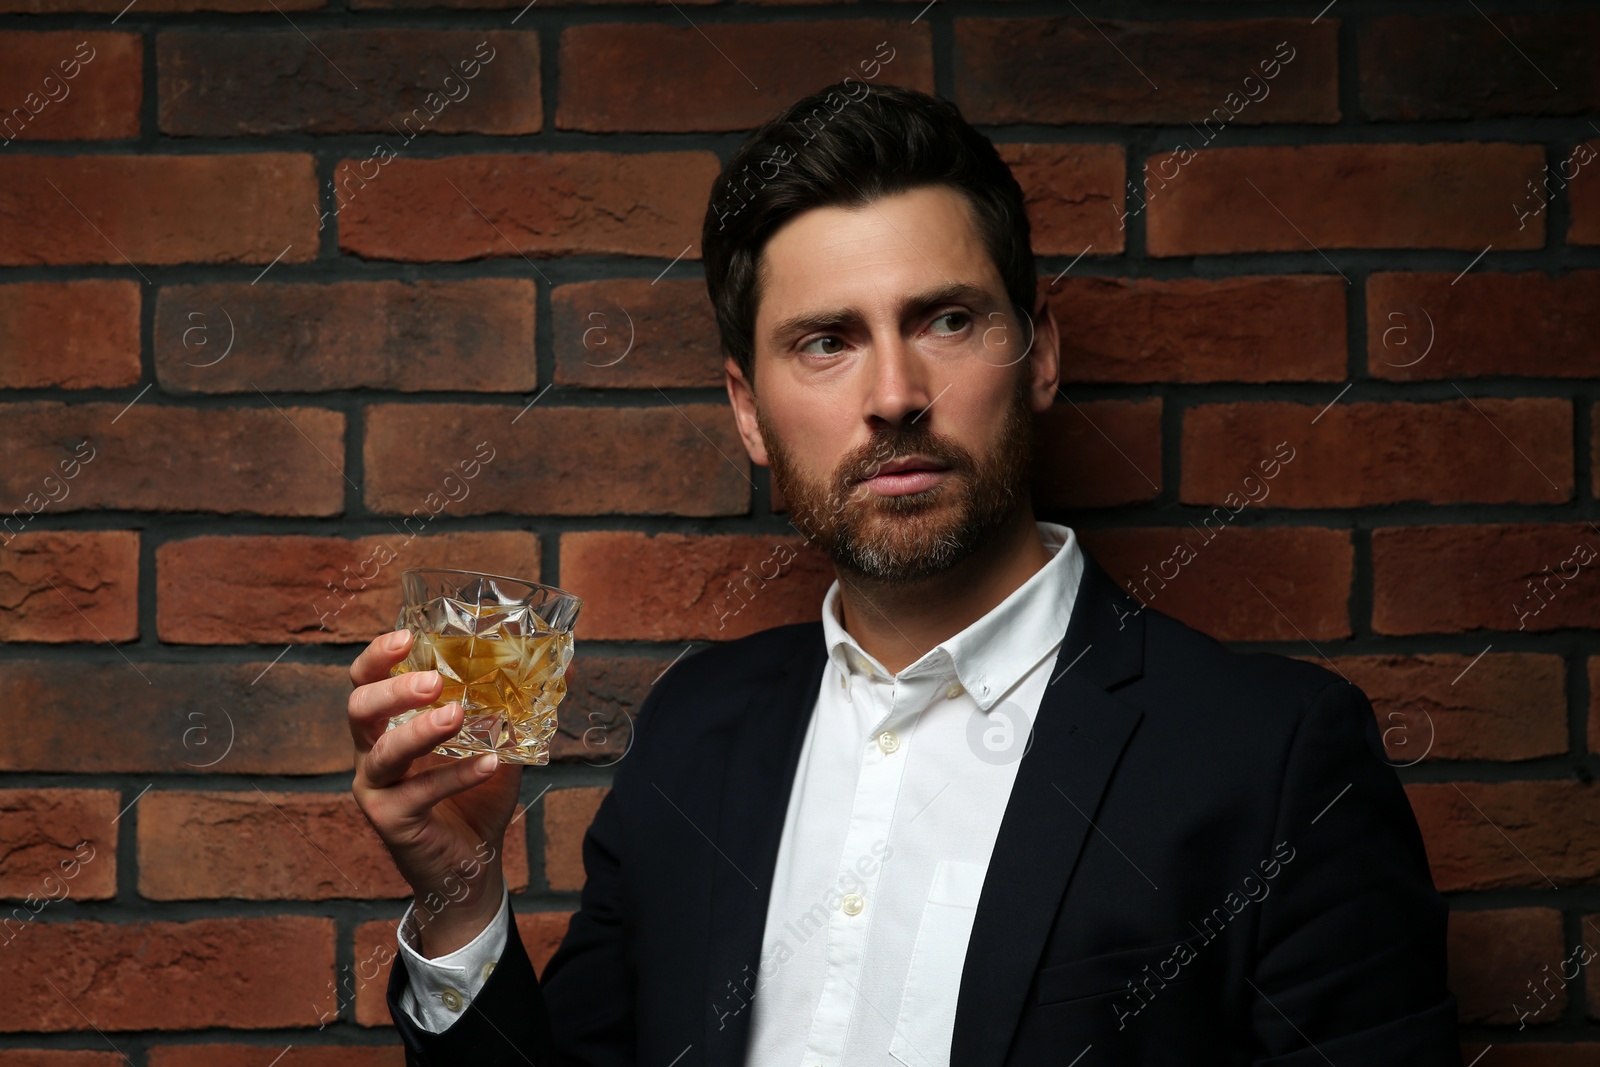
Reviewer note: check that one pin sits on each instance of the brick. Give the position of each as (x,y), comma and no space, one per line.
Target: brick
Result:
(1097,454)
(1493,835)
(1074,195)
(39,1057)
(567,815)
(70,86)
(305,589)
(1310,198)
(474,335)
(294,1056)
(376,947)
(410,82)
(1432,326)
(237,973)
(1583,193)
(676,587)
(245,208)
(1500,576)
(360,5)
(1009,71)
(685,459)
(554,204)
(112,7)
(603,698)
(254,845)
(71,335)
(1469,66)
(1501,706)
(59,843)
(95,575)
(629,333)
(1235,329)
(1302,576)
(1594,703)
(1363,454)
(685,78)
(1533,1053)
(542,933)
(273,460)
(1493,954)
(258,717)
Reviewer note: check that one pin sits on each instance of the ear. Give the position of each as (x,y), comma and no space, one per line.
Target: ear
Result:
(742,396)
(1044,358)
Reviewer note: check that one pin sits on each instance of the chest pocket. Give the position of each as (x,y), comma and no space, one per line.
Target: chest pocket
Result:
(928,1004)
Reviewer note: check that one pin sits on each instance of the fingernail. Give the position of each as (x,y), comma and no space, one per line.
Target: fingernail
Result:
(424,680)
(442,716)
(485,764)
(398,639)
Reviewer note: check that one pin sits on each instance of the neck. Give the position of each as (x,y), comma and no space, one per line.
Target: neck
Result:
(897,622)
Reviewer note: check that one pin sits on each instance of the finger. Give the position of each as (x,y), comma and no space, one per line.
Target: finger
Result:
(372,705)
(414,797)
(382,653)
(393,753)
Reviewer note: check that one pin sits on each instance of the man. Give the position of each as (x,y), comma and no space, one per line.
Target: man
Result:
(990,809)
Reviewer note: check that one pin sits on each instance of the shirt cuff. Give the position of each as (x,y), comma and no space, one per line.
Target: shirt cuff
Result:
(440,989)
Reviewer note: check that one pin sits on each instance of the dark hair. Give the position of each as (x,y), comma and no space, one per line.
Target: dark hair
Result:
(843,148)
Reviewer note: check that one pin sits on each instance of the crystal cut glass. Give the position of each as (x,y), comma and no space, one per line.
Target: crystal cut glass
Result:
(501,647)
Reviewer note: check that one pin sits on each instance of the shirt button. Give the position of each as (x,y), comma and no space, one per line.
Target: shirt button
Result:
(488,969)
(451,998)
(853,904)
(888,741)
(954,691)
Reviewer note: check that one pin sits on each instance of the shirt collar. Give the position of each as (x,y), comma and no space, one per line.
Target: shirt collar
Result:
(995,652)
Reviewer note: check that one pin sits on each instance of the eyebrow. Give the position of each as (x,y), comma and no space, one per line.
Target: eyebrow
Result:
(910,307)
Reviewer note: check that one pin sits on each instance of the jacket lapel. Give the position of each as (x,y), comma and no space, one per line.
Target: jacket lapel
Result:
(762,753)
(1078,736)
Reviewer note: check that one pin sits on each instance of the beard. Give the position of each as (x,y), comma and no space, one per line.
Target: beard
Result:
(915,535)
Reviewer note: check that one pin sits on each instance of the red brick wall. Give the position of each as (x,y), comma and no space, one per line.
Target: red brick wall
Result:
(251,319)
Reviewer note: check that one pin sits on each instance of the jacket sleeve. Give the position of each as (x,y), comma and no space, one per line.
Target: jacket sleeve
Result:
(582,1012)
(505,1025)
(1349,962)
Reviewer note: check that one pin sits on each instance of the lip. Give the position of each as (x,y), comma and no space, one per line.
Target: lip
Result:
(908,474)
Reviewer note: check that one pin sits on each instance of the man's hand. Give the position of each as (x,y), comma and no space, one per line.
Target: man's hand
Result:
(442,819)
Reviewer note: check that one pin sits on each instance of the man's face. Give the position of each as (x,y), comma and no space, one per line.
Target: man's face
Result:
(894,383)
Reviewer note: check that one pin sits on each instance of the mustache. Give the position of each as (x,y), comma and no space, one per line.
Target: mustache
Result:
(909,440)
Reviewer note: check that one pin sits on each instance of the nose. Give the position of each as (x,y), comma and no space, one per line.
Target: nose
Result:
(898,384)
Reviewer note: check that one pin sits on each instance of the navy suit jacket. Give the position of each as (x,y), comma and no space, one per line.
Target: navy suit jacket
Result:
(1205,859)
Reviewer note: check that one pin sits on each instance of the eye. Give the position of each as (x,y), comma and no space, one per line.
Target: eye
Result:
(961,319)
(807,348)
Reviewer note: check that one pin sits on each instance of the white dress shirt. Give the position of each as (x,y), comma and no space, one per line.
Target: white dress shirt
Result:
(896,803)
